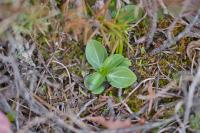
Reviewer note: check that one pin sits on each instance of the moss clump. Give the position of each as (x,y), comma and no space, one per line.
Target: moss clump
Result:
(171,63)
(134,103)
(164,22)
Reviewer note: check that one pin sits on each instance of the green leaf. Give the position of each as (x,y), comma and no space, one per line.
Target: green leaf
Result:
(129,13)
(95,53)
(94,81)
(98,90)
(142,50)
(126,63)
(11,116)
(112,61)
(112,5)
(121,77)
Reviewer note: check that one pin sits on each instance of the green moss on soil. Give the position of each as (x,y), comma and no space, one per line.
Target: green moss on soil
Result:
(170,64)
(135,103)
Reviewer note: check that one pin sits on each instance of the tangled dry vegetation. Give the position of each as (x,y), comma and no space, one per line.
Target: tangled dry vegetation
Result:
(42,67)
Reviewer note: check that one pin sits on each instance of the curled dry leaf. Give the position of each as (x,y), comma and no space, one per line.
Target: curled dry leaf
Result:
(4,124)
(110,123)
(192,49)
(175,6)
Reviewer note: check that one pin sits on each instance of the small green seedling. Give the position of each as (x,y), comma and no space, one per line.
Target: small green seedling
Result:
(128,14)
(113,68)
(116,27)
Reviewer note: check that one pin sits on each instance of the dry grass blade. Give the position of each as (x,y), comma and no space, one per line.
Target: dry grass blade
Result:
(189,99)
(110,123)
(151,96)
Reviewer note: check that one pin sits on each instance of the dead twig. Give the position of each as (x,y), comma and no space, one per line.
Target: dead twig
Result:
(170,42)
